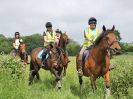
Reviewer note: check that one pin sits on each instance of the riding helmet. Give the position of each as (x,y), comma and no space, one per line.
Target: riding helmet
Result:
(92,20)
(58,31)
(48,24)
(17,33)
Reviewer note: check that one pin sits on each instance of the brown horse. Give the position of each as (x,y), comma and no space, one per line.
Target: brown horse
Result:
(54,63)
(22,53)
(98,61)
(62,44)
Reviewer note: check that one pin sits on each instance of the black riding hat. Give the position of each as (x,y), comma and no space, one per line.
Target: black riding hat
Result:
(92,20)
(17,33)
(58,31)
(48,24)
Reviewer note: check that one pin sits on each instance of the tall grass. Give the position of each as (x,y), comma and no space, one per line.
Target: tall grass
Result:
(14,81)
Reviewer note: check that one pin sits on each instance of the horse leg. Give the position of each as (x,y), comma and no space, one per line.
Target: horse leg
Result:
(53,71)
(58,80)
(37,75)
(64,73)
(31,76)
(32,72)
(107,83)
(93,85)
(80,82)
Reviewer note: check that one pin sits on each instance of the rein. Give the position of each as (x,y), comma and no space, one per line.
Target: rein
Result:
(109,45)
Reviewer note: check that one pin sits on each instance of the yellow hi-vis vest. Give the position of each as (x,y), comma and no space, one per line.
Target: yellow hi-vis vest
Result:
(90,35)
(50,38)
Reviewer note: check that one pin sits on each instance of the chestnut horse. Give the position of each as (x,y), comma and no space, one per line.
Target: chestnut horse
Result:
(62,44)
(54,63)
(22,53)
(98,62)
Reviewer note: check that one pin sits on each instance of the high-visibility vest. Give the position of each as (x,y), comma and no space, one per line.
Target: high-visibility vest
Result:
(50,38)
(90,35)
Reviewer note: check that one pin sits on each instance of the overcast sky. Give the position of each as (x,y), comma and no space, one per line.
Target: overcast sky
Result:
(29,16)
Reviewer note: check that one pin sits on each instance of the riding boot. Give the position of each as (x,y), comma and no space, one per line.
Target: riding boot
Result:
(80,68)
(80,65)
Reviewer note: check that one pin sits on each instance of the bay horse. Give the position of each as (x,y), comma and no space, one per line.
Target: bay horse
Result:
(98,62)
(62,44)
(54,63)
(22,53)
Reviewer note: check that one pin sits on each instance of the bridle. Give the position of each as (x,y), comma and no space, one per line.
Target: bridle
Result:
(60,55)
(110,44)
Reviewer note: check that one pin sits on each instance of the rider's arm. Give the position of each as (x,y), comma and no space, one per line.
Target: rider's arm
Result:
(85,36)
(44,36)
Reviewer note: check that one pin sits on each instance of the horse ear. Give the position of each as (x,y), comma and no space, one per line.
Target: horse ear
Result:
(104,28)
(113,28)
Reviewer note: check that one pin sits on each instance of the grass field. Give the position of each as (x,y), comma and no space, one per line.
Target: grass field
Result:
(14,81)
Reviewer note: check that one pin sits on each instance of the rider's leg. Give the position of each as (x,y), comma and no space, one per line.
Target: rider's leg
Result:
(44,53)
(80,64)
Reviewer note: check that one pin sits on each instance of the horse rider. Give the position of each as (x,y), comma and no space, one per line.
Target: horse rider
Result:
(90,35)
(16,42)
(49,38)
(57,40)
(58,36)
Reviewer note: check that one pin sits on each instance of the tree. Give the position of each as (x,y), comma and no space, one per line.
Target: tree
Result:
(118,34)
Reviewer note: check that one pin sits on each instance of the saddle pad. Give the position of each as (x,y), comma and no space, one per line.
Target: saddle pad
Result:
(40,55)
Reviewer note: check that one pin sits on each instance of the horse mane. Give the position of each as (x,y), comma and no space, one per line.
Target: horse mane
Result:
(102,35)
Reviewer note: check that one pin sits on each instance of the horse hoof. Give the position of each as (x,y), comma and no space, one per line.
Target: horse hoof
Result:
(58,85)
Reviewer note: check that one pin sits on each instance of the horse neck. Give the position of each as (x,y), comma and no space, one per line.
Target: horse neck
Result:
(62,43)
(22,47)
(101,52)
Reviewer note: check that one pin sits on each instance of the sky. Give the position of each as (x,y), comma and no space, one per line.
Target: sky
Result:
(29,16)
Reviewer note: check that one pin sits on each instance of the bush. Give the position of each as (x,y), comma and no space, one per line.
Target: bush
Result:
(11,66)
(122,80)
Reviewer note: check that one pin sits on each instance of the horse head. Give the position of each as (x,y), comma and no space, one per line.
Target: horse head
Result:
(111,40)
(56,55)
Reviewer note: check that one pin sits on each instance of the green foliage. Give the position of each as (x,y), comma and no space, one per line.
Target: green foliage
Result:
(122,80)
(33,41)
(5,44)
(118,34)
(73,48)
(17,87)
(11,66)
(127,47)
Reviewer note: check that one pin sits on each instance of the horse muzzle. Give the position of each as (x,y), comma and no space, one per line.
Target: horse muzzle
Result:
(115,51)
